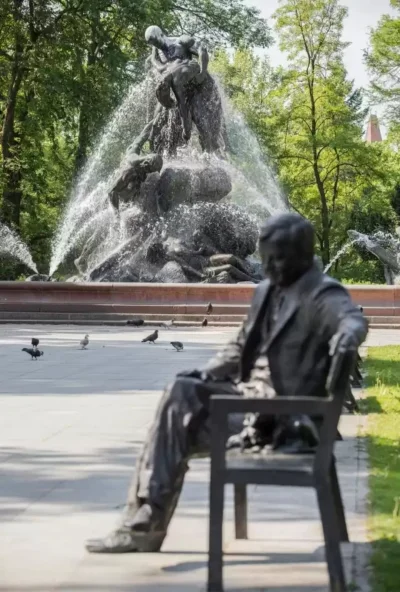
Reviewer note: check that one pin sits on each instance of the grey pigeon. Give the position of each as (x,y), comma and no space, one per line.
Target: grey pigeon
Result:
(204,323)
(151,338)
(34,353)
(34,342)
(209,308)
(85,342)
(177,345)
(135,322)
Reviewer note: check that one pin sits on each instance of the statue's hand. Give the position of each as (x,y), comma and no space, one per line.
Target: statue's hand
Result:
(199,374)
(248,438)
(344,340)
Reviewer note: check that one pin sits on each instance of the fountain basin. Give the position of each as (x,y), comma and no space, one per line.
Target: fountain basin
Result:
(100,303)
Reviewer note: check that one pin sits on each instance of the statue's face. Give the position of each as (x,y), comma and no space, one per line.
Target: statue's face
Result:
(158,42)
(155,36)
(282,259)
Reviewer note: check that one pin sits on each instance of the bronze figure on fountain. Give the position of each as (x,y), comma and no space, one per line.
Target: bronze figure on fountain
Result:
(185,87)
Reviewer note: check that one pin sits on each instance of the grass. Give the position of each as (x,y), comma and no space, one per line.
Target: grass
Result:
(383,432)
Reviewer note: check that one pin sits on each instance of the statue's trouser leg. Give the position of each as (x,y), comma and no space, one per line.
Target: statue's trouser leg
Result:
(181,429)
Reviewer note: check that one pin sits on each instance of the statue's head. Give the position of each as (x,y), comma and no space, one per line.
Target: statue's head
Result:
(286,248)
(155,36)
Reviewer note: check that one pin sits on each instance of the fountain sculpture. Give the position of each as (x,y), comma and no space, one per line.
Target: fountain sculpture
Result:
(166,212)
(386,247)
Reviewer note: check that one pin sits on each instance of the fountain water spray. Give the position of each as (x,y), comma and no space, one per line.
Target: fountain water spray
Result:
(88,218)
(89,198)
(11,244)
(256,186)
(340,253)
(384,245)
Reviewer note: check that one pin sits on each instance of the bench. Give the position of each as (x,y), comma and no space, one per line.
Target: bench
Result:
(309,470)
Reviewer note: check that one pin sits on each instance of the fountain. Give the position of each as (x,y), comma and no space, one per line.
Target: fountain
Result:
(386,247)
(12,245)
(383,245)
(188,209)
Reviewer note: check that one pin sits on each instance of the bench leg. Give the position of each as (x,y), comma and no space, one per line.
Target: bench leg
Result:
(341,517)
(350,402)
(240,494)
(215,554)
(332,537)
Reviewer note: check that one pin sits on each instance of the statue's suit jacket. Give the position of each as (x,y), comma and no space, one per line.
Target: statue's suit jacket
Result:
(315,307)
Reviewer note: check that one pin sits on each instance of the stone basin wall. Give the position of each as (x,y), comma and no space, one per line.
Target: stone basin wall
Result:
(27,299)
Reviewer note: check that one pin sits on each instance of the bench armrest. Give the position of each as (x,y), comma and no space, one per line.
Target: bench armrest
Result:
(223,405)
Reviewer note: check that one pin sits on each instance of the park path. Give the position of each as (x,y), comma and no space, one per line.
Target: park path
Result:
(70,427)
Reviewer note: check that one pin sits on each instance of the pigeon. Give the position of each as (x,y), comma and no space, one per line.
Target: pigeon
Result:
(151,338)
(35,342)
(209,308)
(135,322)
(177,345)
(204,323)
(85,342)
(34,353)
(168,324)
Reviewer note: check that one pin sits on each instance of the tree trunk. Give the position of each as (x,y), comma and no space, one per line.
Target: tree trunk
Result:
(325,231)
(86,106)
(83,138)
(12,194)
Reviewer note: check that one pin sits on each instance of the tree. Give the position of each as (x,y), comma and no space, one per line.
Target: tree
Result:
(357,180)
(383,62)
(248,81)
(323,161)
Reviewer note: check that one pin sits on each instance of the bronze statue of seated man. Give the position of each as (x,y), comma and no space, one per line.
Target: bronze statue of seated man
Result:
(298,318)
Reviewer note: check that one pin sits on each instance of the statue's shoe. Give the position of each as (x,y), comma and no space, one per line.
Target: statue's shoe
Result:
(119,541)
(137,535)
(126,541)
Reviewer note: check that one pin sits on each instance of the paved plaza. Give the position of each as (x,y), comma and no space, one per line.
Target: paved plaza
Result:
(70,427)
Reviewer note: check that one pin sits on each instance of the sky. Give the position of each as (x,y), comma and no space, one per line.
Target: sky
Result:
(363,14)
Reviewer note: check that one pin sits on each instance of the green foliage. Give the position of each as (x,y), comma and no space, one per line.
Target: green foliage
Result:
(383,407)
(383,61)
(323,160)
(358,267)
(309,120)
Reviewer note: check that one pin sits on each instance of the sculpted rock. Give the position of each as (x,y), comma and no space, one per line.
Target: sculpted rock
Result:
(122,273)
(220,224)
(215,183)
(171,273)
(180,184)
(130,252)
